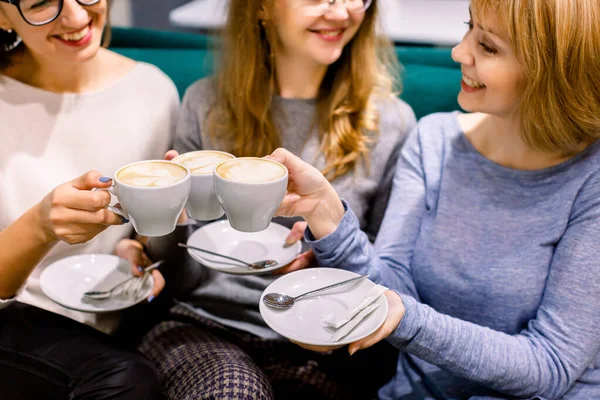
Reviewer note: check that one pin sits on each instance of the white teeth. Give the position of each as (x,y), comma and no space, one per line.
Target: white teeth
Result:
(74,37)
(331,33)
(470,82)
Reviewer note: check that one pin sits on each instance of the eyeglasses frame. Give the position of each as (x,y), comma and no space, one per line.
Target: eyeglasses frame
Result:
(17,3)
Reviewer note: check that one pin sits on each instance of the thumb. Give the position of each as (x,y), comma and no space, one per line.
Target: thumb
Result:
(91,180)
(137,261)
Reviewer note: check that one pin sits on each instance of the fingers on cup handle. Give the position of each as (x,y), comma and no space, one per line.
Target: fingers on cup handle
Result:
(111,216)
(171,154)
(114,216)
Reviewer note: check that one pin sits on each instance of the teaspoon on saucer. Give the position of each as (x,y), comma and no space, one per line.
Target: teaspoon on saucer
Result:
(255,265)
(283,301)
(102,295)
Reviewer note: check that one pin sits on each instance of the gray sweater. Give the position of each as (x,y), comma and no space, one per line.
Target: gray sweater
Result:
(233,300)
(498,270)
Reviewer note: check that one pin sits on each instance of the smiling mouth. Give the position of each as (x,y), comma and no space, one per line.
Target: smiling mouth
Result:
(75,36)
(329,33)
(472,83)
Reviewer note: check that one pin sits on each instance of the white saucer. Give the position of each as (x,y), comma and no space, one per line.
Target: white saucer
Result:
(220,237)
(66,280)
(303,322)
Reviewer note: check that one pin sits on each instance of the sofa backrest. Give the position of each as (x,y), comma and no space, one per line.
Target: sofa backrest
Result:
(431,80)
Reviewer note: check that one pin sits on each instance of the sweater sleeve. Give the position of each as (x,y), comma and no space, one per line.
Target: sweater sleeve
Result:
(543,360)
(349,248)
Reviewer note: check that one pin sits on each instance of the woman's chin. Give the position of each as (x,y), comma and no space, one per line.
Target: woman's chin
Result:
(328,58)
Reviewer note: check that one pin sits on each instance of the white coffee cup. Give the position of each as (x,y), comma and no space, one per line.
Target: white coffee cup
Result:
(152,195)
(250,190)
(202,204)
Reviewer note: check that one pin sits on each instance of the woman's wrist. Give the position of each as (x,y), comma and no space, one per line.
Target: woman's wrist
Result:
(43,236)
(327,215)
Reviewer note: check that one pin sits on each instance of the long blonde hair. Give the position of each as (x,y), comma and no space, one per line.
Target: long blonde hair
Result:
(346,115)
(557,42)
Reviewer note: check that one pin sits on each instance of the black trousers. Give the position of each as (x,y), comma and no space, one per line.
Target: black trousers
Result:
(47,356)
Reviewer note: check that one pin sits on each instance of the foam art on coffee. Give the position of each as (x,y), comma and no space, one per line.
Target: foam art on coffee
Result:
(202,163)
(152,174)
(251,171)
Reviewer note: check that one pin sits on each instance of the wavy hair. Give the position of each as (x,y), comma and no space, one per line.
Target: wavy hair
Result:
(346,117)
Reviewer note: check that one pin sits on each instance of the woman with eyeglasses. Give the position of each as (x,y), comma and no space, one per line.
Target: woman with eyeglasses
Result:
(67,106)
(313,76)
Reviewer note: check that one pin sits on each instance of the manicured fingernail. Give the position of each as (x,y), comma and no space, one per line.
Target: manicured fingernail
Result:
(141,269)
(125,220)
(105,179)
(150,299)
(352,351)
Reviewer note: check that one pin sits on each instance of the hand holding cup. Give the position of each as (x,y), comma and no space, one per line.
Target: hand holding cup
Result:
(310,195)
(73,213)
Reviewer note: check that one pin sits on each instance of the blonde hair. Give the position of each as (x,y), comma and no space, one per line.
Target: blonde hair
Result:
(346,114)
(557,42)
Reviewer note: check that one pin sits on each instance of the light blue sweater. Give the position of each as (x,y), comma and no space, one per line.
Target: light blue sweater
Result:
(499,270)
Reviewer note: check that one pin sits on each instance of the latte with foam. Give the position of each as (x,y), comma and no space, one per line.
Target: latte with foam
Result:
(251,170)
(202,162)
(152,174)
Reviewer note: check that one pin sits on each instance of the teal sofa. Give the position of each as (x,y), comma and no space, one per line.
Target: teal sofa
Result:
(431,80)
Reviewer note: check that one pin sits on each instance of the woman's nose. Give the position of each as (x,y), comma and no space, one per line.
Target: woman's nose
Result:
(73,14)
(462,54)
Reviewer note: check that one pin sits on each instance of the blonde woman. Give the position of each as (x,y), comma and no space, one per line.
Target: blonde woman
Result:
(314,77)
(67,105)
(491,240)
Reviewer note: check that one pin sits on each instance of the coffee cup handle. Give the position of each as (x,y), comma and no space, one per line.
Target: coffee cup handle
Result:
(115,210)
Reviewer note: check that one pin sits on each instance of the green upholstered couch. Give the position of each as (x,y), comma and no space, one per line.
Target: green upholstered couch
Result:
(431,79)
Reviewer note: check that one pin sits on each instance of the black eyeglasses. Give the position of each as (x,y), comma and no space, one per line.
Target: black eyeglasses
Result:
(42,12)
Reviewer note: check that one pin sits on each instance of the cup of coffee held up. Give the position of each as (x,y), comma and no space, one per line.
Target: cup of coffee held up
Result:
(250,190)
(152,194)
(202,203)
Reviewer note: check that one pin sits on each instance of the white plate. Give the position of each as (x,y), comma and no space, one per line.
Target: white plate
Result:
(220,237)
(303,322)
(66,280)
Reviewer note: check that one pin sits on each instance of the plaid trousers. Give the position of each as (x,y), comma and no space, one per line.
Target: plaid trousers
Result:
(200,359)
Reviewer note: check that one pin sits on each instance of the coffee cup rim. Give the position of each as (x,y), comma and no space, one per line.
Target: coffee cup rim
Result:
(203,151)
(284,176)
(187,176)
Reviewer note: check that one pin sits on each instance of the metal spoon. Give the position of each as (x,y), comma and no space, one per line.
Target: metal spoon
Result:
(255,265)
(283,301)
(101,295)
